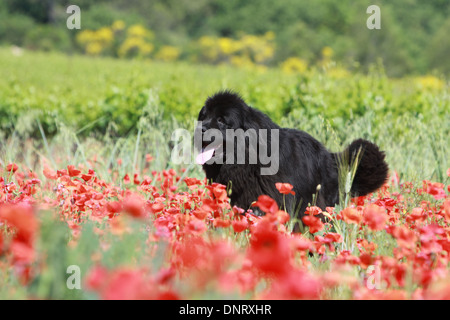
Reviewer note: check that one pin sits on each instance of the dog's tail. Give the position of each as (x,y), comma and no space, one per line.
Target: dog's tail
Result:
(372,170)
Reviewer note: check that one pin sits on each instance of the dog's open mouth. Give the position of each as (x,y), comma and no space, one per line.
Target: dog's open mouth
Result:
(206,154)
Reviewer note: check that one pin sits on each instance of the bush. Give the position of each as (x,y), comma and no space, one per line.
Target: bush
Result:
(48,38)
(14,28)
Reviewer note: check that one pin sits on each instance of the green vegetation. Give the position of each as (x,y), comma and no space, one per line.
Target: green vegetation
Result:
(412,40)
(86,107)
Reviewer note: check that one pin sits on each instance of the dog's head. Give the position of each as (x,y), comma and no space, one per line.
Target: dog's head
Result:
(222,112)
(229,131)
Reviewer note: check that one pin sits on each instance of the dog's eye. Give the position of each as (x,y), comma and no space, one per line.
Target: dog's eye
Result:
(221,121)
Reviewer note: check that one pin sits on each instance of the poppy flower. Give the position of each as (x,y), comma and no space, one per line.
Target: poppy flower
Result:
(296,284)
(314,224)
(218,192)
(446,207)
(221,223)
(192,183)
(1,244)
(12,167)
(436,190)
(313,210)
(375,217)
(240,225)
(405,237)
(136,180)
(50,174)
(96,278)
(269,250)
(351,215)
(72,171)
(134,206)
(284,188)
(113,207)
(266,204)
(196,226)
(23,219)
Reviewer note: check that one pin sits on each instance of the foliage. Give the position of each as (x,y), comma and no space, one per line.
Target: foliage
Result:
(412,40)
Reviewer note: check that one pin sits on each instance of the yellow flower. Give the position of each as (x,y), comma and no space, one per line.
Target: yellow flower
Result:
(206,41)
(248,50)
(139,31)
(134,46)
(270,35)
(338,72)
(104,35)
(209,49)
(85,36)
(168,53)
(327,53)
(228,46)
(118,25)
(294,65)
(94,48)
(430,82)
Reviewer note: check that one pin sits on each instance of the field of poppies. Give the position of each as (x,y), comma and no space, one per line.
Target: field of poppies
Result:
(88,214)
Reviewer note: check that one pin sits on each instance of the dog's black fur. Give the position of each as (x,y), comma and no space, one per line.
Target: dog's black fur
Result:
(303,161)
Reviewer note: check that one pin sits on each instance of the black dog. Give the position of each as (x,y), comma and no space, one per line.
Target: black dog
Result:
(301,161)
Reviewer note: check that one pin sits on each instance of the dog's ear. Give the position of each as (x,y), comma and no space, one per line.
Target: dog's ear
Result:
(202,114)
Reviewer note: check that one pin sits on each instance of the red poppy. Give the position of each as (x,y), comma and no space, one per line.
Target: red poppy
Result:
(296,284)
(240,225)
(266,204)
(196,226)
(436,190)
(134,206)
(375,217)
(218,192)
(334,237)
(269,250)
(23,219)
(284,188)
(405,237)
(96,278)
(12,167)
(221,223)
(72,171)
(351,215)
(314,224)
(136,179)
(157,207)
(446,207)
(313,210)
(148,158)
(192,183)
(113,207)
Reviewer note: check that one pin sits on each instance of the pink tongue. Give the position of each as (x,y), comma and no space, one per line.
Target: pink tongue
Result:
(204,156)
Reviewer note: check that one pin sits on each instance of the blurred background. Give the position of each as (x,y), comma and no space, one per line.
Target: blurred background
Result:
(293,34)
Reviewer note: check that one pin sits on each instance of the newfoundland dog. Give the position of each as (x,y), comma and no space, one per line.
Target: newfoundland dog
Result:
(242,148)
